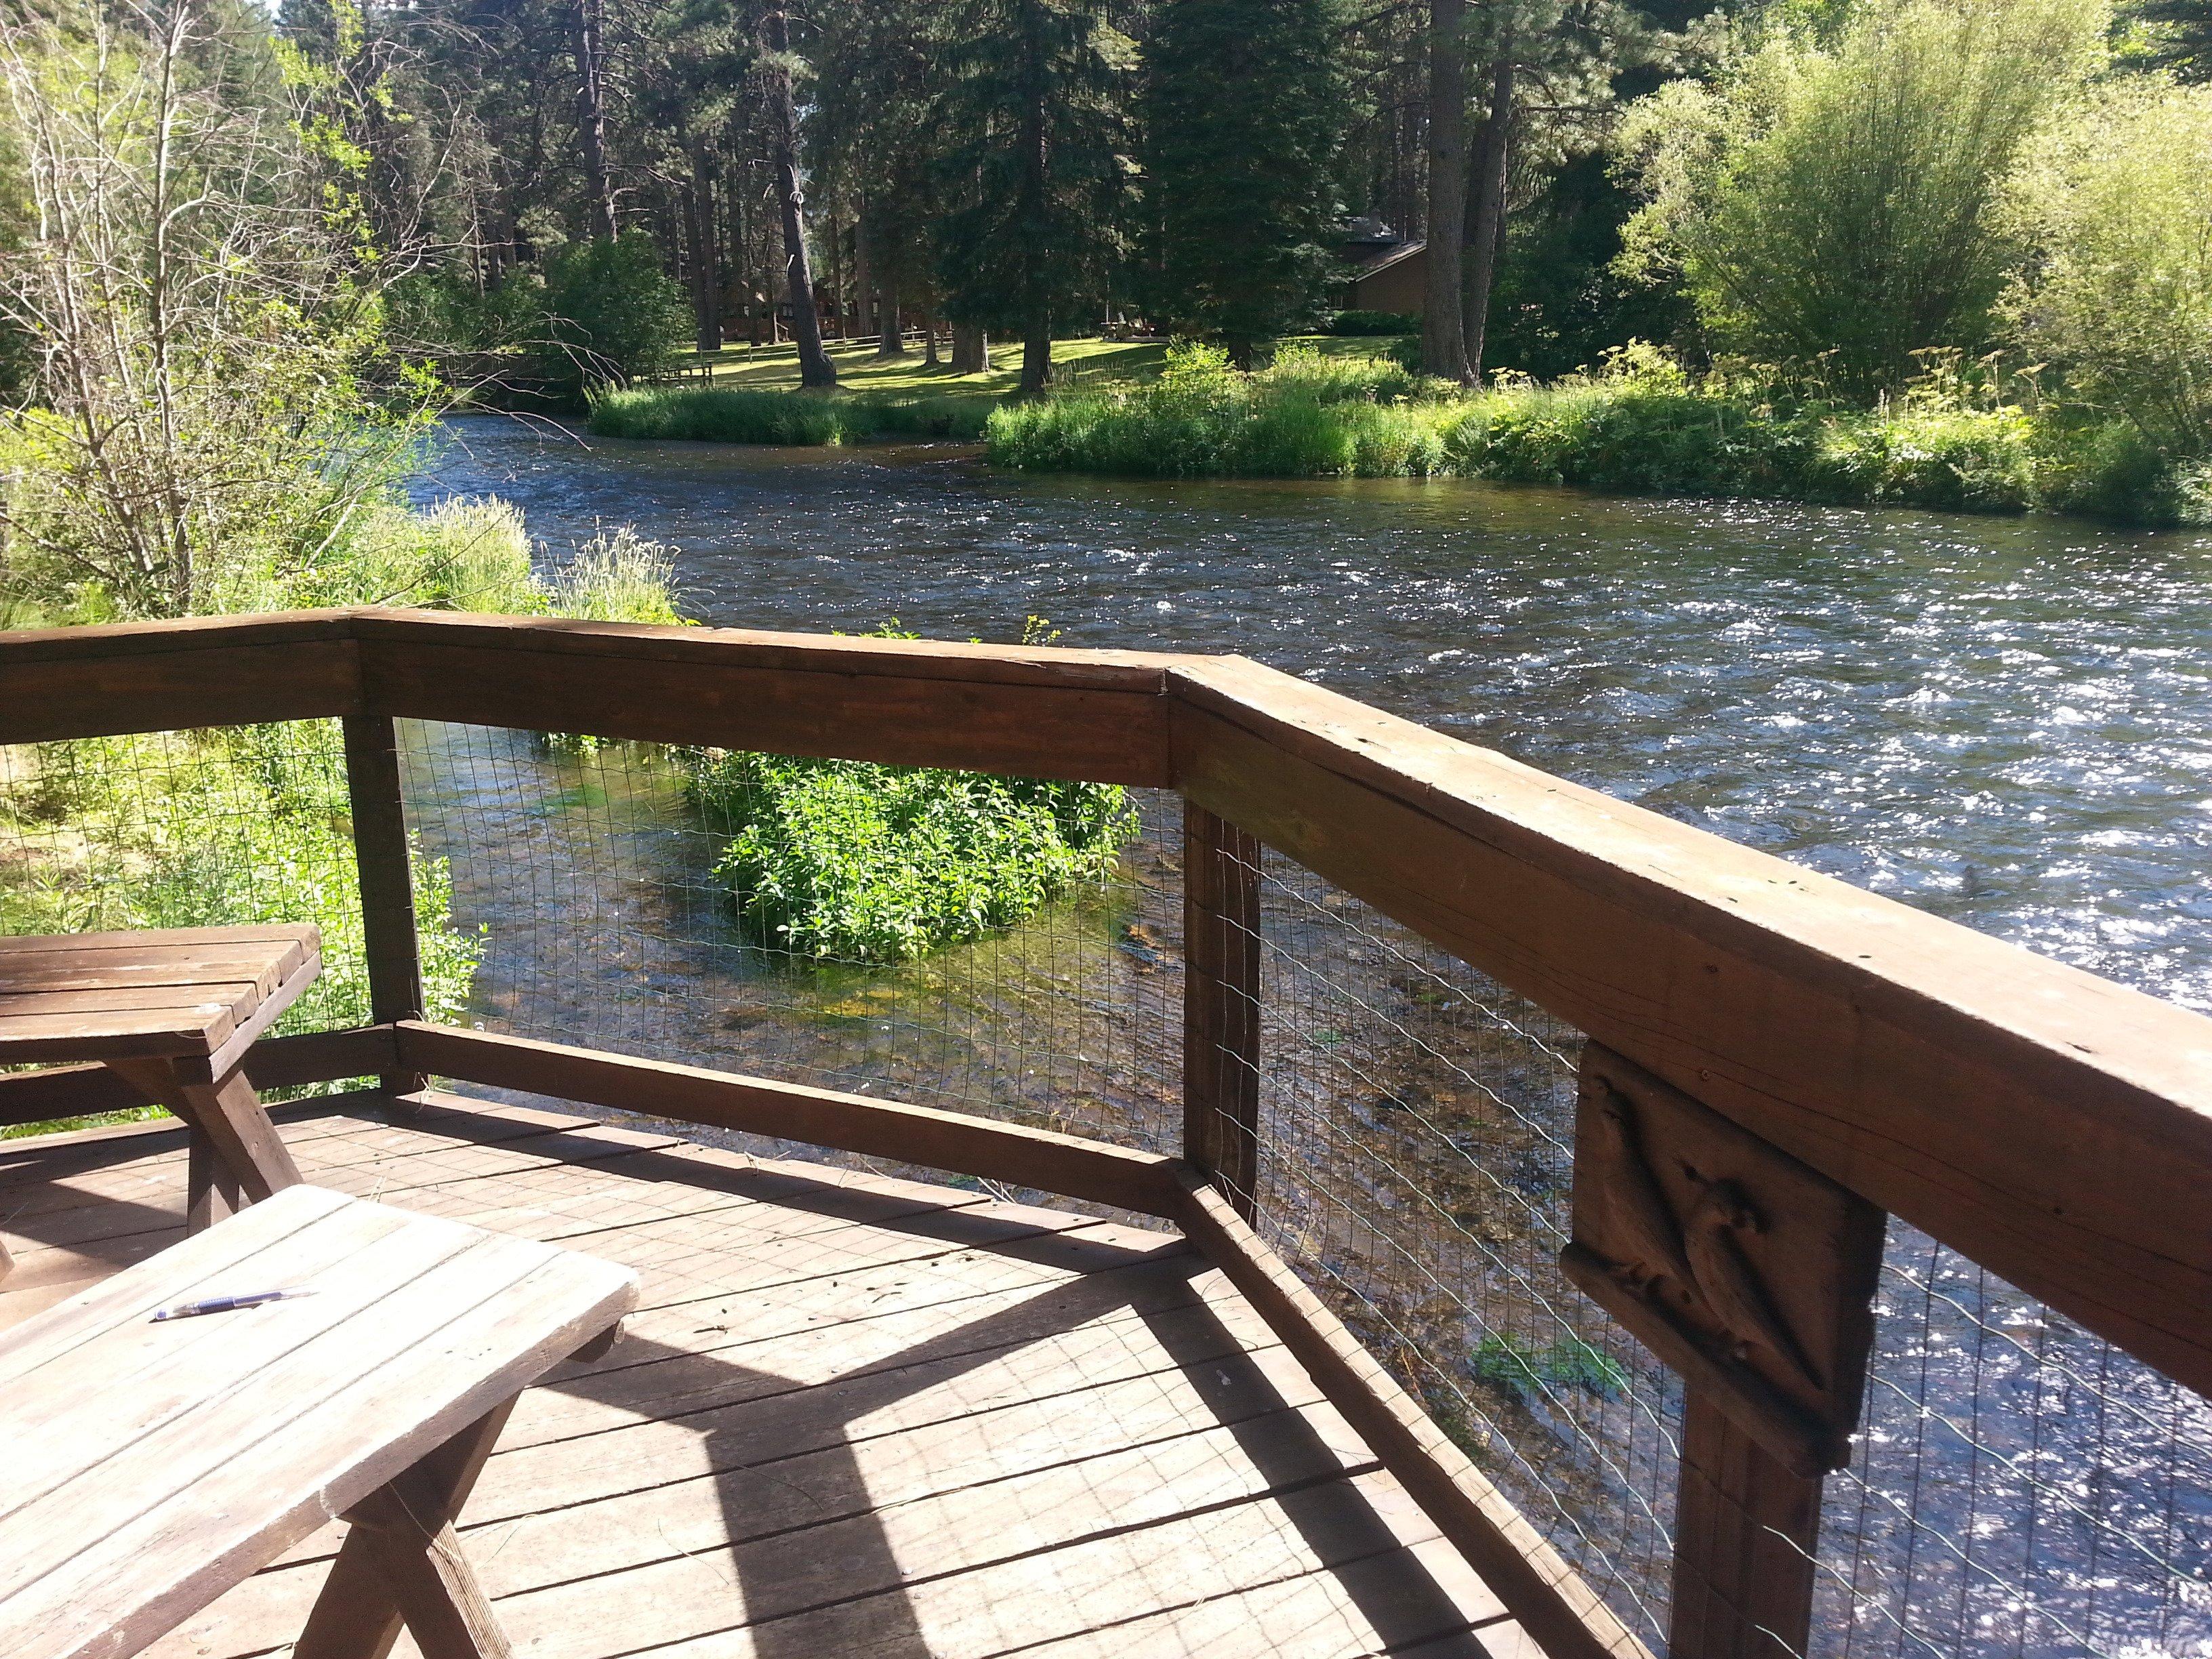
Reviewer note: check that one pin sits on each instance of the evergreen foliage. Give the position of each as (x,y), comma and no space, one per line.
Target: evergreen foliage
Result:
(1035,160)
(610,312)
(1240,115)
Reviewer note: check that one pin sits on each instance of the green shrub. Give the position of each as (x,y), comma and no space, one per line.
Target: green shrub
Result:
(1374,322)
(964,418)
(1530,1371)
(1303,415)
(2118,294)
(856,862)
(219,827)
(610,312)
(1302,371)
(1831,196)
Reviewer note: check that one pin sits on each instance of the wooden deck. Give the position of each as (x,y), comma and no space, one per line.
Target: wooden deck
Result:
(853,1415)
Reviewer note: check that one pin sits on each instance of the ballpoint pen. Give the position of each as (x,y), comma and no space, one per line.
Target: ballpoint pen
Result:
(215,1304)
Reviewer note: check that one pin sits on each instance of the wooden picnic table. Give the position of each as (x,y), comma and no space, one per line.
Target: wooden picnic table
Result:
(152,1464)
(173,1012)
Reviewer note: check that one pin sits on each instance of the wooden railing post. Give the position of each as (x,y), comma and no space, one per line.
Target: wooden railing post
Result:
(1221,1004)
(1754,1278)
(387,880)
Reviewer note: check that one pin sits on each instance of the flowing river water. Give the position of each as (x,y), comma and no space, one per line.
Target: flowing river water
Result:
(2003,721)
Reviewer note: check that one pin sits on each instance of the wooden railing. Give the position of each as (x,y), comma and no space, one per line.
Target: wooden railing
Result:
(1775,1058)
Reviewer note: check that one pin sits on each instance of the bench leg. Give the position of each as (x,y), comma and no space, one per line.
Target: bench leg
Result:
(402,1562)
(241,1142)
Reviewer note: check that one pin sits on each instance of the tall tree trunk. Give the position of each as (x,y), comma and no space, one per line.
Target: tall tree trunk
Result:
(1443,344)
(864,267)
(834,235)
(893,343)
(815,368)
(1036,332)
(592,115)
(971,350)
(1036,357)
(929,355)
(1485,231)
(706,251)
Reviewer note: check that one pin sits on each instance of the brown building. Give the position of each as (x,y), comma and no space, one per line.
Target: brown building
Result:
(1389,278)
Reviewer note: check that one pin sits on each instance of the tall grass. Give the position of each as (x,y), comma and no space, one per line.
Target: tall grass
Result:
(1638,426)
(732,415)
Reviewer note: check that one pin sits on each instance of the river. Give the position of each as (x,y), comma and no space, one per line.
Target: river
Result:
(2008,722)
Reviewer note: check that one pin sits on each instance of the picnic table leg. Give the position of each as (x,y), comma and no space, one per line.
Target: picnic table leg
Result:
(211,1190)
(402,1562)
(240,1139)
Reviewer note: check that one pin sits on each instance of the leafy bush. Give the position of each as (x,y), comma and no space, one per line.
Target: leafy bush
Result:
(1528,1371)
(2118,294)
(1638,425)
(610,312)
(720,415)
(1832,198)
(1374,322)
(863,863)
(1303,415)
(964,418)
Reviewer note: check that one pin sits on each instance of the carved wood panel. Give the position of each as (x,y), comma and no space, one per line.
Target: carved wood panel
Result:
(1745,1271)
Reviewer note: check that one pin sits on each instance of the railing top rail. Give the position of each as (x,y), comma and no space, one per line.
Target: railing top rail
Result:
(2053,1125)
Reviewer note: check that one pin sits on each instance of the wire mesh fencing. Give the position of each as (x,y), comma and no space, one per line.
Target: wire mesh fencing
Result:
(598,884)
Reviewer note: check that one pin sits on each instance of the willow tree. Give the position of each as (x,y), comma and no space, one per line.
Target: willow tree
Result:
(1036,153)
(1833,199)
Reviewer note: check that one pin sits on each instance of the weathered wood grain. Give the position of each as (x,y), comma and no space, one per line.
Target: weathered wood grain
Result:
(1745,1528)
(387,881)
(1098,715)
(917,1135)
(1544,1594)
(1221,1056)
(165,677)
(160,1463)
(63,1091)
(864,1408)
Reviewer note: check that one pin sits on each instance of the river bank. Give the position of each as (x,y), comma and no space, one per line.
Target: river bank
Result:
(1638,427)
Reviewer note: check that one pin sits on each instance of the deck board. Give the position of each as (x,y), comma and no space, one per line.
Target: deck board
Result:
(853,1415)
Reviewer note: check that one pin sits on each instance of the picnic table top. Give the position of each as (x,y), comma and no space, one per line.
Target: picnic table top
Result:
(181,991)
(153,1464)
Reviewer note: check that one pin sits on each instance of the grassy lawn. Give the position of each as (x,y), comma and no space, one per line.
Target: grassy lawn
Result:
(1079,365)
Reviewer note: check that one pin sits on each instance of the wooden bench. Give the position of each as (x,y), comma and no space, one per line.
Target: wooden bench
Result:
(152,1464)
(173,1012)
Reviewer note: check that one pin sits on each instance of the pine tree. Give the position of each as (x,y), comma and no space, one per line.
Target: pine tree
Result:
(1242,114)
(1032,167)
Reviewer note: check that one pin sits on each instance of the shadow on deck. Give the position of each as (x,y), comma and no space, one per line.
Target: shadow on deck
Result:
(852,1415)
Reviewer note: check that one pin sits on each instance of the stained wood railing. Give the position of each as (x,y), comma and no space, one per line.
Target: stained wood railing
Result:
(1775,1058)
